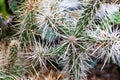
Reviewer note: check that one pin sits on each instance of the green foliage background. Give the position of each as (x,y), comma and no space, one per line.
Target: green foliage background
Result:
(3,10)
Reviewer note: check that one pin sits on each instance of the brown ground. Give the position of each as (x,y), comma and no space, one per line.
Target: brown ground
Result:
(110,72)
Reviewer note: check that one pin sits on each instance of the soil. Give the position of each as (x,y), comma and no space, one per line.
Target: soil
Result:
(109,72)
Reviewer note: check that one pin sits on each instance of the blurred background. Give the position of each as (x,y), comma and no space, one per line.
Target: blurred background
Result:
(3,10)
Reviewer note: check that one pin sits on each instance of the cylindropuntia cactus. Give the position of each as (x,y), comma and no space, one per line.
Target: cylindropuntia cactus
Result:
(39,23)
(106,33)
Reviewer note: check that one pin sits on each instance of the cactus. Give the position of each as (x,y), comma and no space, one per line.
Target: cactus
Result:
(52,38)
